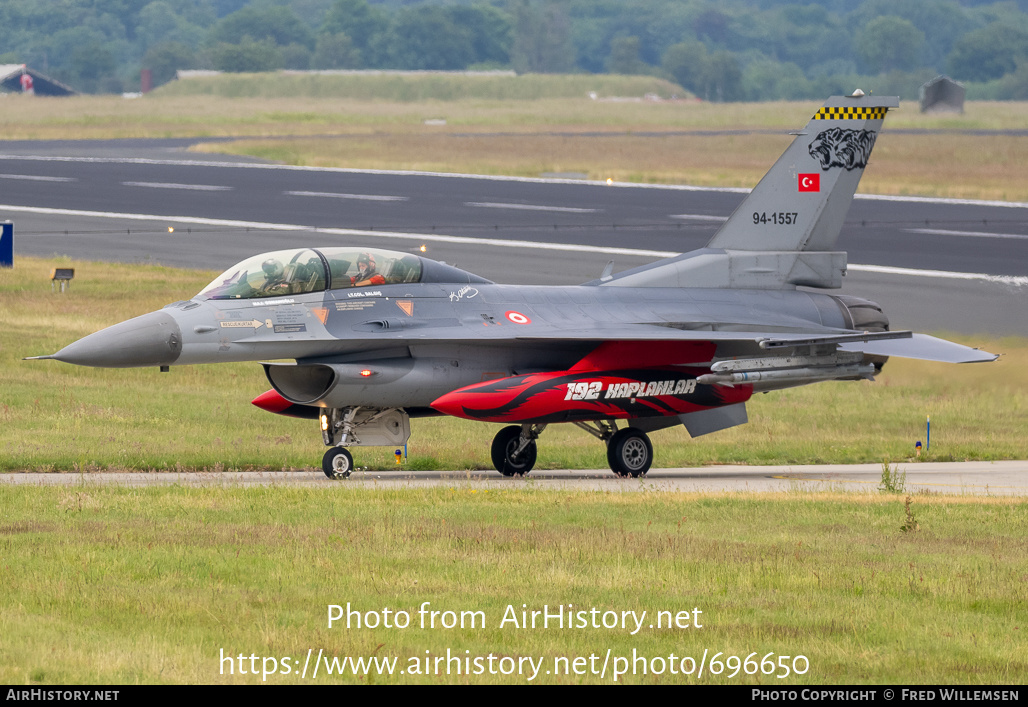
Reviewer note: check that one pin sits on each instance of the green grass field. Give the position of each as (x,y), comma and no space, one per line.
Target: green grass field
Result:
(58,417)
(116,585)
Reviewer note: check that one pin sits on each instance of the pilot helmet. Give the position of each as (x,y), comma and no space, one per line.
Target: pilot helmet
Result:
(272,268)
(366,258)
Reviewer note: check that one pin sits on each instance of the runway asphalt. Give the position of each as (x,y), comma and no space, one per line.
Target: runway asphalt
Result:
(959,236)
(1002,478)
(935,265)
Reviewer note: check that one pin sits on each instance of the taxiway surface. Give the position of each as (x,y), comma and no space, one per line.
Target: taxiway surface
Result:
(1001,478)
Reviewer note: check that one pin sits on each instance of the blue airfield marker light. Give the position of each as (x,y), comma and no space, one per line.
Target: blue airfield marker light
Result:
(917,447)
(6,245)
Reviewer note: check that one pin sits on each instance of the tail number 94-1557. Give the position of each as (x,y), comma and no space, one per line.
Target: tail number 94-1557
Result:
(775,218)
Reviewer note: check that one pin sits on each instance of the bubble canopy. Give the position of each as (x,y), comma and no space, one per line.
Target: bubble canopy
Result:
(304,270)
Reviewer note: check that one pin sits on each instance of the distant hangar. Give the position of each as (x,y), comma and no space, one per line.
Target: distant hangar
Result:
(39,83)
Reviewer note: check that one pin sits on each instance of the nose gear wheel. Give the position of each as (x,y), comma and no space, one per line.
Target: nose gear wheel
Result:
(337,463)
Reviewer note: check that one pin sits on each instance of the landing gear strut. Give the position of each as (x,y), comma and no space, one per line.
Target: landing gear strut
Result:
(337,462)
(357,426)
(514,449)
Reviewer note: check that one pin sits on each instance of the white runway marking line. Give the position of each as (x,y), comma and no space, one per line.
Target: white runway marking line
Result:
(1016,280)
(170,185)
(528,207)
(967,234)
(34,178)
(699,217)
(441,238)
(358,197)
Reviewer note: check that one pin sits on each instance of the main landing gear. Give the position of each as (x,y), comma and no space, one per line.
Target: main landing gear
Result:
(629,451)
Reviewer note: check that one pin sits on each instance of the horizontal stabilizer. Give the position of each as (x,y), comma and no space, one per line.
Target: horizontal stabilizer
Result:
(923,347)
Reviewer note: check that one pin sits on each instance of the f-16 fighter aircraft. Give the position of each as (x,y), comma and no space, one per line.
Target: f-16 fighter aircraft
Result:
(379,337)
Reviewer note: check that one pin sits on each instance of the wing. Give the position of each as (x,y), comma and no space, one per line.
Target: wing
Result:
(903,344)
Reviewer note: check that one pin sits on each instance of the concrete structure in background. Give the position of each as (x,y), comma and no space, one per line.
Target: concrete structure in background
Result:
(942,95)
(41,84)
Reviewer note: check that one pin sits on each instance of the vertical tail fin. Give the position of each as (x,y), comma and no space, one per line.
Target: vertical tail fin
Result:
(784,232)
(801,202)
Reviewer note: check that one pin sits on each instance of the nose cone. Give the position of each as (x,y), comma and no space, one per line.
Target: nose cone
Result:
(150,340)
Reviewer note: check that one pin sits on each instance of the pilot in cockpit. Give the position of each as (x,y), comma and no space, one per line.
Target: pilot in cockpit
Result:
(366,273)
(274,277)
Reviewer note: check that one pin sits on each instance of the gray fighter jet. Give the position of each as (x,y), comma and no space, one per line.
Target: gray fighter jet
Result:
(379,337)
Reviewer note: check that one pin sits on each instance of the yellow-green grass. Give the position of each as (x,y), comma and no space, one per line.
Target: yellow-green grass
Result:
(160,115)
(59,417)
(154,585)
(408,87)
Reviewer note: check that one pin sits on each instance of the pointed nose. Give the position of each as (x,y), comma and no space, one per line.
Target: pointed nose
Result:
(150,340)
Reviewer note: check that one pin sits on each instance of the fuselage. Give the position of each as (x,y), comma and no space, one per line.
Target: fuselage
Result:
(434,338)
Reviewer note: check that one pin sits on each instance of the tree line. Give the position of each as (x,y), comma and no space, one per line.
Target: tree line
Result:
(719,50)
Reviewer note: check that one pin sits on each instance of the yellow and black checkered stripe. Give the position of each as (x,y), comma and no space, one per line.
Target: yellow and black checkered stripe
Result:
(851,113)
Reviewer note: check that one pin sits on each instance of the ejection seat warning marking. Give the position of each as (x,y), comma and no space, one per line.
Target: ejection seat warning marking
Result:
(321,313)
(407,306)
(252,324)
(354,306)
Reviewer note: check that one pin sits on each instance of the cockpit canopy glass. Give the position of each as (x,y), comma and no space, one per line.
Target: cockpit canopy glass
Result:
(292,272)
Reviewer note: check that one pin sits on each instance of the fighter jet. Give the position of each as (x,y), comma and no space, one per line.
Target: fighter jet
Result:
(378,337)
